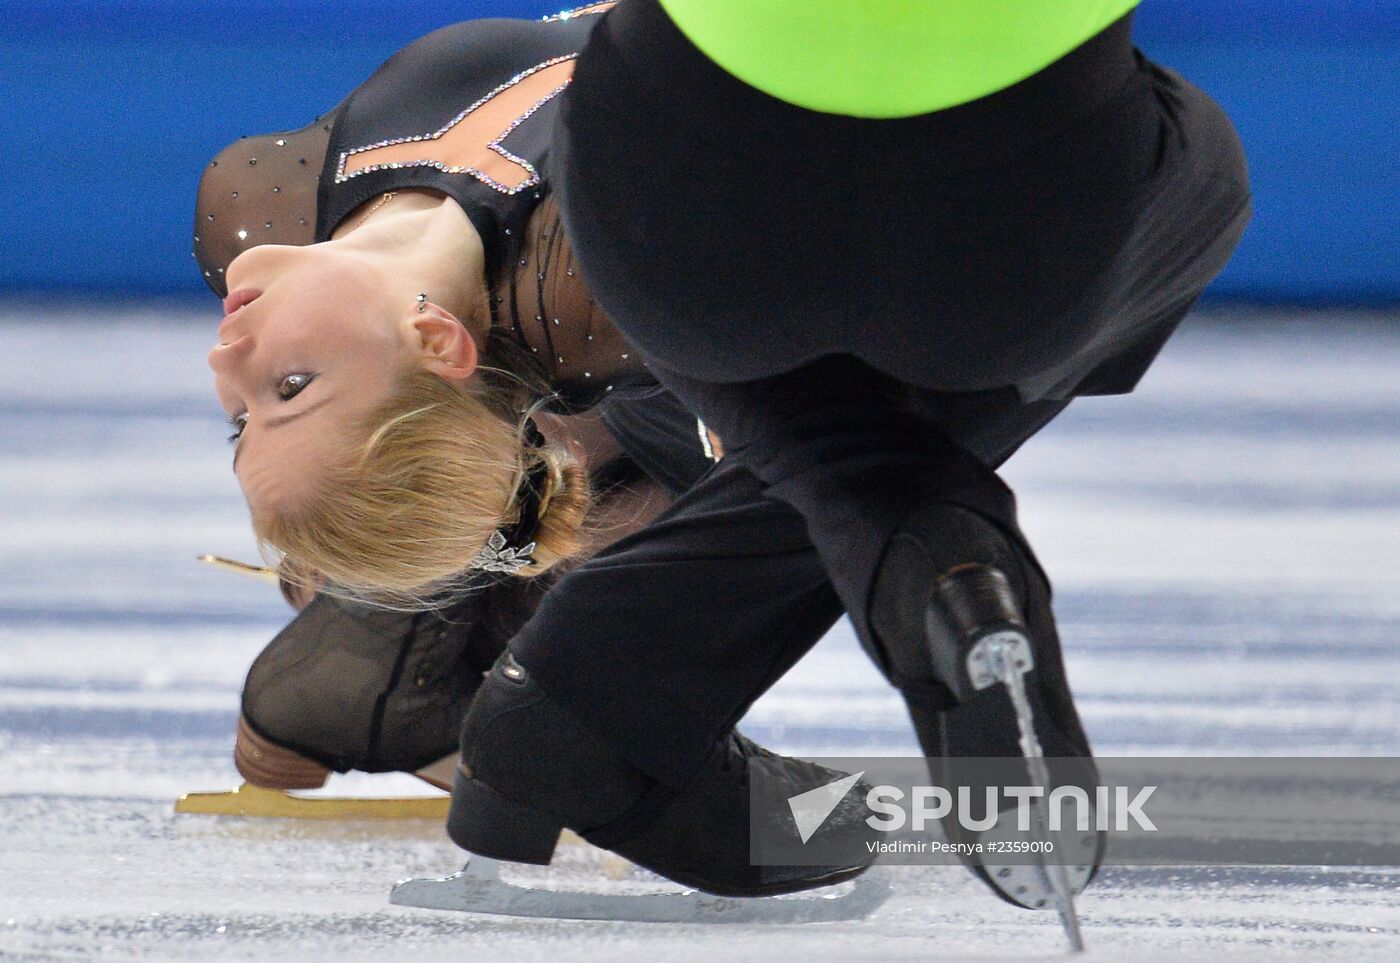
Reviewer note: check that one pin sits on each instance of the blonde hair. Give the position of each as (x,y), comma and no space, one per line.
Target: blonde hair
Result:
(436,471)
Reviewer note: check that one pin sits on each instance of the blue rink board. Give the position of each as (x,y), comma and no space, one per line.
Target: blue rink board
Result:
(109,109)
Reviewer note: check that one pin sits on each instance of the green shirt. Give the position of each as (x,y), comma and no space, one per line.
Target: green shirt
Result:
(888,58)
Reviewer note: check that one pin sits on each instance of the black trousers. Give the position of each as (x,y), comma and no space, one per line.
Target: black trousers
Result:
(871,314)
(666,638)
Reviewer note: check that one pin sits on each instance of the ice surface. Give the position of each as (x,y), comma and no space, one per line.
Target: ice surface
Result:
(1226,550)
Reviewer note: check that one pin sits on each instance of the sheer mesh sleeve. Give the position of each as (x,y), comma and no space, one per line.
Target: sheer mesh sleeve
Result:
(259,190)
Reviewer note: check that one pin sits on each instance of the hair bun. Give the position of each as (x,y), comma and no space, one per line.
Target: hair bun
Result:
(563,504)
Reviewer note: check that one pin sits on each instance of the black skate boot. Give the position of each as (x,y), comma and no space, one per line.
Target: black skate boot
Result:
(529,769)
(962,610)
(346,686)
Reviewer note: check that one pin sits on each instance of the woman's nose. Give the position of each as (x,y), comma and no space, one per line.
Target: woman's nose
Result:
(225,357)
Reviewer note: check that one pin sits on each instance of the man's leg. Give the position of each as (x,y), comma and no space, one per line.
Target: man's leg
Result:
(615,716)
(662,641)
(920,538)
(853,452)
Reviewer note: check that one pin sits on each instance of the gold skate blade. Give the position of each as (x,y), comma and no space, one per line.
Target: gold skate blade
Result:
(260,572)
(250,800)
(256,801)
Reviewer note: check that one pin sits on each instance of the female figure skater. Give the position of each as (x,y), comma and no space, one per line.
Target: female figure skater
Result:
(402,307)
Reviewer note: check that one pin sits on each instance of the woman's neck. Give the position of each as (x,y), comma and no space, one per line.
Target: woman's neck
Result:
(425,242)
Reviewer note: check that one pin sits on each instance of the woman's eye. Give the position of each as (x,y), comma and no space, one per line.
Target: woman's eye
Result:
(237,423)
(290,386)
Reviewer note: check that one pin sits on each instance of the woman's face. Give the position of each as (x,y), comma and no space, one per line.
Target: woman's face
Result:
(311,343)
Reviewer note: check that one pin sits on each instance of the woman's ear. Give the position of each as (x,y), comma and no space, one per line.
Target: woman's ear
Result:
(445,348)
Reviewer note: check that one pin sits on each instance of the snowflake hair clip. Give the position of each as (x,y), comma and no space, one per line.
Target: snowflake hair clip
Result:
(499,556)
(512,548)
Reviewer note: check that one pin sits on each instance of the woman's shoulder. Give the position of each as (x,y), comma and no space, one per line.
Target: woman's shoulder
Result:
(259,190)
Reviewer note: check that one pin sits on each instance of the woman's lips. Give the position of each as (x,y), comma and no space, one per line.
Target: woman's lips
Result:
(240,298)
(236,300)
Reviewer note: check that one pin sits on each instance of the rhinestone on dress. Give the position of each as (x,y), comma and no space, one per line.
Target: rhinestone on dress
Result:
(705,444)
(583,11)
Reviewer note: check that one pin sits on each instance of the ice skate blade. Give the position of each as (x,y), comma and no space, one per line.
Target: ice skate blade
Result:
(250,800)
(478,888)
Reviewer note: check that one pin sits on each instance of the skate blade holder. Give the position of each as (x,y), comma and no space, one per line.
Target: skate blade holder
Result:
(255,801)
(1004,656)
(996,655)
(479,888)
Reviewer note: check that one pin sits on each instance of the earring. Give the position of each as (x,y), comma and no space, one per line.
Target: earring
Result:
(422,302)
